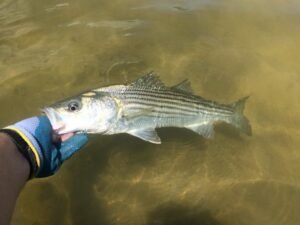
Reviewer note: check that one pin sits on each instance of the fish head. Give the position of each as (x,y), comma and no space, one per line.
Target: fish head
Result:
(84,113)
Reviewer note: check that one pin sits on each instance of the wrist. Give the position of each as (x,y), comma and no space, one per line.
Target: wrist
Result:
(24,147)
(17,165)
(6,141)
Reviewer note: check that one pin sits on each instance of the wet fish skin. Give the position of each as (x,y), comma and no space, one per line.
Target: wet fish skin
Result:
(141,107)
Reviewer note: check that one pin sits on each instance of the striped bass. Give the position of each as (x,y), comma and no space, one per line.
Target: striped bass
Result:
(142,106)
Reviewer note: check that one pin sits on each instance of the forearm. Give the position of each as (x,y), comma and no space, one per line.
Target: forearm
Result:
(14,172)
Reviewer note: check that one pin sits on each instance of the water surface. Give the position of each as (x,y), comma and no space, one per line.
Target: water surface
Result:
(228,49)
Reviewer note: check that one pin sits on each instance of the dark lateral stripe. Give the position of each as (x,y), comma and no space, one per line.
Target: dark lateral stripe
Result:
(168,93)
(180,96)
(175,103)
(171,93)
(163,105)
(161,111)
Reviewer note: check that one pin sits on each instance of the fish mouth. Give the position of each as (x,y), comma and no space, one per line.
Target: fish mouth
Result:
(55,119)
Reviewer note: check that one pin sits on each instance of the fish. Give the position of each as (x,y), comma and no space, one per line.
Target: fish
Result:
(139,107)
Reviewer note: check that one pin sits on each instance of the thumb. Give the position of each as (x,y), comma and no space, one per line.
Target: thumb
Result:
(72,145)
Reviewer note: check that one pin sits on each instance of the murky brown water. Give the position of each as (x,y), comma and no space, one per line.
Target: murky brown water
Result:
(228,49)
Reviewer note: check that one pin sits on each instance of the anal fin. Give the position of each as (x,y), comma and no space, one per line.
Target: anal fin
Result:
(149,135)
(206,130)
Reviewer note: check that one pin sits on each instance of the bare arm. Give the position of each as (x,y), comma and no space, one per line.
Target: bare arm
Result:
(14,172)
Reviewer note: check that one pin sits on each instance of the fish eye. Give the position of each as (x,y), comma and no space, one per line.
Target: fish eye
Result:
(74,106)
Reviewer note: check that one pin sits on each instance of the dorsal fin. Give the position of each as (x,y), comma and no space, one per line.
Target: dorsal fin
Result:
(184,86)
(149,80)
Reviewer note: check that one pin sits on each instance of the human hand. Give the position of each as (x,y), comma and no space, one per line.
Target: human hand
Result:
(44,150)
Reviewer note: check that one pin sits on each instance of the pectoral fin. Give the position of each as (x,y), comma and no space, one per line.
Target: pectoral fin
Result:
(206,130)
(149,135)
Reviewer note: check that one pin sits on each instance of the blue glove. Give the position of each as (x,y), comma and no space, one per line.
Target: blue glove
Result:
(44,155)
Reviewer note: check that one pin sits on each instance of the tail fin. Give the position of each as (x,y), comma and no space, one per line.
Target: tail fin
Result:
(238,119)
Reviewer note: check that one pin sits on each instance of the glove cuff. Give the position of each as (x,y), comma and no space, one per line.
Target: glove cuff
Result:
(27,146)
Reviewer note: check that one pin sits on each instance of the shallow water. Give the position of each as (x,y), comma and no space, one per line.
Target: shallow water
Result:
(228,49)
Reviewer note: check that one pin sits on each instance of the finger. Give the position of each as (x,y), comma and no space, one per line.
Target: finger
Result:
(72,145)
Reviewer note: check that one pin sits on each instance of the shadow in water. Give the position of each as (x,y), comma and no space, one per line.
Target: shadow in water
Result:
(229,131)
(182,137)
(56,215)
(179,214)
(85,208)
